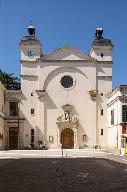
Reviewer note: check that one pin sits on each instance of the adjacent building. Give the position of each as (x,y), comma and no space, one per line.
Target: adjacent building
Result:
(117,118)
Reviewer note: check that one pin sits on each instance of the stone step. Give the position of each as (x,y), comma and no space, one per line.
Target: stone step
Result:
(52,153)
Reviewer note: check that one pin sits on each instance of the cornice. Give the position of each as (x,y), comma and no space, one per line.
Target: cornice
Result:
(113,101)
(29,76)
(26,61)
(121,98)
(60,60)
(120,88)
(104,77)
(74,61)
(14,118)
(105,62)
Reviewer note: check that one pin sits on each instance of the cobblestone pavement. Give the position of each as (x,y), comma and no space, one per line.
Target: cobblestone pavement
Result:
(67,175)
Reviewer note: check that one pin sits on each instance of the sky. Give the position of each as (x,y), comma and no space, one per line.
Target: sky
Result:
(60,22)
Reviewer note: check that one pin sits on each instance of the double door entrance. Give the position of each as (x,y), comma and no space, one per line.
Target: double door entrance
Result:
(13,138)
(67,138)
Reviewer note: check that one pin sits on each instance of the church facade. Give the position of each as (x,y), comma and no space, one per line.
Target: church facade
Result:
(64,93)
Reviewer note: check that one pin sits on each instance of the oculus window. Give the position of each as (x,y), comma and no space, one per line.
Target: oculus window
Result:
(67,81)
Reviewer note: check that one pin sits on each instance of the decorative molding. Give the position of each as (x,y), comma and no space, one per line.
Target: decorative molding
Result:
(122,98)
(28,61)
(93,94)
(13,95)
(60,61)
(41,93)
(67,108)
(104,77)
(67,47)
(106,62)
(72,121)
(29,76)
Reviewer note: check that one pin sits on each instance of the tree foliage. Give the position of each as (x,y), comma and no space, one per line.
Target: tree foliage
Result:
(9,81)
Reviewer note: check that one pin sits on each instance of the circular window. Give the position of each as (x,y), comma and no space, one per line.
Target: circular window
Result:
(67,81)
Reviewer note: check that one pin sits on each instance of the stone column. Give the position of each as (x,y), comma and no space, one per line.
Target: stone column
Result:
(58,138)
(75,139)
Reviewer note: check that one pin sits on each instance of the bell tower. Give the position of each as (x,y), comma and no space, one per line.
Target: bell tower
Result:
(101,49)
(30,46)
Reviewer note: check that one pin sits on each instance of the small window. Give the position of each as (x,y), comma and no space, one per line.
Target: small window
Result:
(101,94)
(32,111)
(124,113)
(84,137)
(112,117)
(101,131)
(102,55)
(32,135)
(50,138)
(32,93)
(102,112)
(13,108)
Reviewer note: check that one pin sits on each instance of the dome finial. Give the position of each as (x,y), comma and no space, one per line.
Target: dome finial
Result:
(31,29)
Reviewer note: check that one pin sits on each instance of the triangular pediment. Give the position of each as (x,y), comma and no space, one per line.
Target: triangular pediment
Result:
(67,53)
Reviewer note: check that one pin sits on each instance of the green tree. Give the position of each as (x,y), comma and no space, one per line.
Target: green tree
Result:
(10,81)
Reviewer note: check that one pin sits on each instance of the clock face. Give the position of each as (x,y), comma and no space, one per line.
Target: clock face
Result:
(30,53)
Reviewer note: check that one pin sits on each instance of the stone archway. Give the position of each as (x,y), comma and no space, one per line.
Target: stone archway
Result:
(67,138)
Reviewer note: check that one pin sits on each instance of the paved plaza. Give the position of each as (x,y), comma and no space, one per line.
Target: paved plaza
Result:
(89,174)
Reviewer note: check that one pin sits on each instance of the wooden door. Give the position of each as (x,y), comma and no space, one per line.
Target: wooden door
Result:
(67,139)
(13,138)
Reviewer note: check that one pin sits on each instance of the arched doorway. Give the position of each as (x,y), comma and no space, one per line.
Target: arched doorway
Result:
(67,138)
